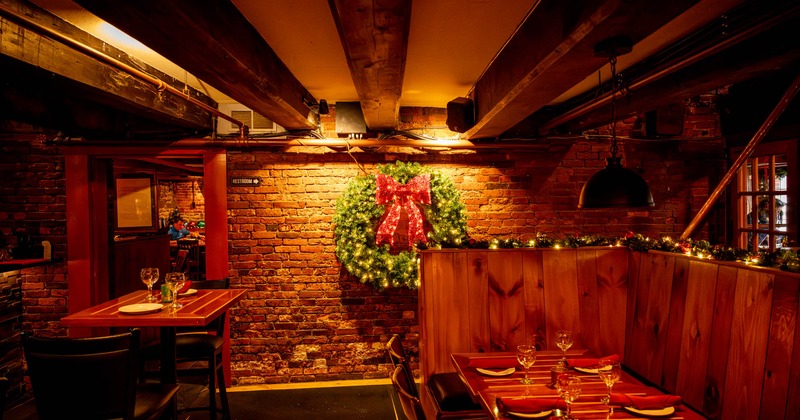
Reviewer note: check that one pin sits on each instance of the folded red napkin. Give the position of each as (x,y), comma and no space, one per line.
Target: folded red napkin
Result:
(530,405)
(492,363)
(592,362)
(186,286)
(645,402)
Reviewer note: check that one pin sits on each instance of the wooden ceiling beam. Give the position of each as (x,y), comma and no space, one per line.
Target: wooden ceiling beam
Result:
(374,34)
(47,61)
(552,51)
(216,43)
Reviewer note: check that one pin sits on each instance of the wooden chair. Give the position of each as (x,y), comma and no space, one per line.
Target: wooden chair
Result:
(412,407)
(179,265)
(448,392)
(192,246)
(93,378)
(202,346)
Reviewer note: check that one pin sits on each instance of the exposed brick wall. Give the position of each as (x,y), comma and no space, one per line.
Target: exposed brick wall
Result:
(304,319)
(33,197)
(178,194)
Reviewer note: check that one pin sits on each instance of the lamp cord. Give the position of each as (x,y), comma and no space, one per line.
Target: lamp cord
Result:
(613,61)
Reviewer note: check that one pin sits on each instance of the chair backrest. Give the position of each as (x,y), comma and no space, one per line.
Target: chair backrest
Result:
(4,385)
(412,407)
(218,324)
(397,355)
(180,261)
(88,378)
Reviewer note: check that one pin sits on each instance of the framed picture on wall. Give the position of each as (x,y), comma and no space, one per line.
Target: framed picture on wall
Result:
(135,202)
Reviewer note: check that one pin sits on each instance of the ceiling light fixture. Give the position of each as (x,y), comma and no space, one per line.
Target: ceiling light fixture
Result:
(615,186)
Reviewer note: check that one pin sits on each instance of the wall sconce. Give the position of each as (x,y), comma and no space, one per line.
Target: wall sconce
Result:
(319,108)
(615,186)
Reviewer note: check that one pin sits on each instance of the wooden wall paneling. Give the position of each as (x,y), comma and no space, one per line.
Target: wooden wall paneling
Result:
(793,404)
(694,349)
(559,270)
(677,310)
(749,334)
(433,267)
(782,328)
(612,298)
(590,320)
(478,306)
(506,300)
(449,311)
(634,272)
(651,316)
(716,371)
(535,325)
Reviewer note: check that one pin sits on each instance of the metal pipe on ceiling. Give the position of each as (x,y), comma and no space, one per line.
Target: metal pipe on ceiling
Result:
(159,84)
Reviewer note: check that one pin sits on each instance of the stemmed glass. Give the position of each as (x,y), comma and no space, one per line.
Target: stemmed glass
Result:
(569,388)
(564,342)
(610,372)
(174,282)
(149,276)
(526,356)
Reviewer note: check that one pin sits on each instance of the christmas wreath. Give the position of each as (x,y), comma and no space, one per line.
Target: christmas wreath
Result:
(368,214)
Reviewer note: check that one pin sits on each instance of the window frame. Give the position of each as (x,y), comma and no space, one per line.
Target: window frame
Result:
(741,227)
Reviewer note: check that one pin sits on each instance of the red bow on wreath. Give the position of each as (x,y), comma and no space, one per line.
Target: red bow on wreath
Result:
(418,190)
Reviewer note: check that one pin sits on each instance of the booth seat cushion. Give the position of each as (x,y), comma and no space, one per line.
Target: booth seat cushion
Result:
(450,392)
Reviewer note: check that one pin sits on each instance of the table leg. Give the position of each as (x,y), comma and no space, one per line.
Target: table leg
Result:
(169,373)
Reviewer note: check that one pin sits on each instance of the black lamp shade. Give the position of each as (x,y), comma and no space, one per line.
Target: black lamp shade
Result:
(615,187)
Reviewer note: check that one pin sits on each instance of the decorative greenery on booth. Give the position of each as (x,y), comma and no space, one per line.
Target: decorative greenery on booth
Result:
(357,216)
(784,259)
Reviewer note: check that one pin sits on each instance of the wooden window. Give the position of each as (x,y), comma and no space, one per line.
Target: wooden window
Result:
(765,198)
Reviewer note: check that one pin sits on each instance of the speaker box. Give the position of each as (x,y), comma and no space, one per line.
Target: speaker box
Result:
(460,114)
(666,121)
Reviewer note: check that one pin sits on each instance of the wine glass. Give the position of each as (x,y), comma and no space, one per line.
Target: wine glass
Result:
(564,342)
(610,372)
(569,388)
(174,282)
(526,356)
(149,277)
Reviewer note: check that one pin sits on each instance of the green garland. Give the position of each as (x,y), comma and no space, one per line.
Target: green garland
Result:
(357,216)
(783,259)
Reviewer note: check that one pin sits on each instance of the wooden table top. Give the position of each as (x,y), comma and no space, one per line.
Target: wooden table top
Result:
(197,310)
(487,389)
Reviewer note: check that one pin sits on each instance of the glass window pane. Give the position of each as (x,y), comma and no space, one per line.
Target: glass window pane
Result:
(763,211)
(781,169)
(763,174)
(748,210)
(747,181)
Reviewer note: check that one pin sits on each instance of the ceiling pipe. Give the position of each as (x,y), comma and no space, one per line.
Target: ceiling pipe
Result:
(159,84)
(717,47)
(748,150)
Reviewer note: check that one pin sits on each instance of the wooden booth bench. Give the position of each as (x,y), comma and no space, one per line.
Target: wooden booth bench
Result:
(723,335)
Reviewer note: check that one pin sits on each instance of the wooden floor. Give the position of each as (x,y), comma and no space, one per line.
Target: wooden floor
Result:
(351,400)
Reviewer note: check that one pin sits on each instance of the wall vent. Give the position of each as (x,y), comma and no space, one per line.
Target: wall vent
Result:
(258,123)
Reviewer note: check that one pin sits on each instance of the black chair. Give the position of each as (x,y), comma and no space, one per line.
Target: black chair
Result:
(412,407)
(93,378)
(202,346)
(448,392)
(4,385)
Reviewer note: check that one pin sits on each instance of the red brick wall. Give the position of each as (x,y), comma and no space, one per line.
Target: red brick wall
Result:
(304,319)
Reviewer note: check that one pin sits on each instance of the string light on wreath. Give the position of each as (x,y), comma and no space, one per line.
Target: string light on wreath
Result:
(437,219)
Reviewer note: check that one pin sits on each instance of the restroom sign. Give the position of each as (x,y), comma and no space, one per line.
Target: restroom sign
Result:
(245,182)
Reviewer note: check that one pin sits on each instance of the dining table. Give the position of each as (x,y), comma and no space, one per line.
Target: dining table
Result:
(131,310)
(488,386)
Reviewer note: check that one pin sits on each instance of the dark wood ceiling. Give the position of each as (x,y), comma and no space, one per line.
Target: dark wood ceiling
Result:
(530,90)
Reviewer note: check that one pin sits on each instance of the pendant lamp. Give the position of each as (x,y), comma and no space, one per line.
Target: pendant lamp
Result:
(615,186)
